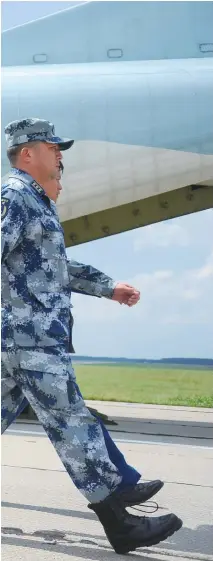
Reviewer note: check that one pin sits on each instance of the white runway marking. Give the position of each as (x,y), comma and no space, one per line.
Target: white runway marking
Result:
(119,440)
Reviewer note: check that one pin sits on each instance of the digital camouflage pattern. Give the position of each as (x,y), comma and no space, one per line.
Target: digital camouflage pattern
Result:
(49,385)
(37,281)
(37,277)
(31,130)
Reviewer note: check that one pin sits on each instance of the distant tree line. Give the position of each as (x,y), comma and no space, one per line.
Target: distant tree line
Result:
(175,361)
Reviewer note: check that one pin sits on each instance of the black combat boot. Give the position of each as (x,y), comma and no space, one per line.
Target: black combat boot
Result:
(136,494)
(126,532)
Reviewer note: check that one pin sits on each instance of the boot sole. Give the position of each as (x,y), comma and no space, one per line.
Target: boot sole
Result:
(153,541)
(141,501)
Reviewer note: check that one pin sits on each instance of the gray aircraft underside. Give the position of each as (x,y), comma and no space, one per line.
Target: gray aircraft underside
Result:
(143,129)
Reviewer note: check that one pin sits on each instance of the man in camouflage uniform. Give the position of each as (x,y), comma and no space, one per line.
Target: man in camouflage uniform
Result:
(37,281)
(130,476)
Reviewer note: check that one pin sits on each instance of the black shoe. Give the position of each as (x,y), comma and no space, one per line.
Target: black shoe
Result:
(126,532)
(140,493)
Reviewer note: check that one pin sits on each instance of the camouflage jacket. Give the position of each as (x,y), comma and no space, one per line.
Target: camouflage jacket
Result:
(37,277)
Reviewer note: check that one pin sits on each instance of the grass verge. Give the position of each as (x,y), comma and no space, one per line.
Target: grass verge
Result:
(145,384)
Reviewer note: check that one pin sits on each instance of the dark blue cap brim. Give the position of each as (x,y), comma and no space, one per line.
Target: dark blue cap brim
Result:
(63,143)
(66,144)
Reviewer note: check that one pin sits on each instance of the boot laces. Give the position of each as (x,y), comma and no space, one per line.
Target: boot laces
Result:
(149,508)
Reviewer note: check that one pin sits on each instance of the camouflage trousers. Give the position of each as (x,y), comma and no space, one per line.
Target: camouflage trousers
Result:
(48,383)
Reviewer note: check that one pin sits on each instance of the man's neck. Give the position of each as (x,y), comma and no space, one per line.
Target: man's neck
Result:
(34,174)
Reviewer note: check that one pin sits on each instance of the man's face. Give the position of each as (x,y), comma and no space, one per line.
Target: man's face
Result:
(46,157)
(53,187)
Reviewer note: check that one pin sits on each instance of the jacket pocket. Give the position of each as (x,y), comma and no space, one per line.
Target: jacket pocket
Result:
(51,382)
(51,319)
(51,300)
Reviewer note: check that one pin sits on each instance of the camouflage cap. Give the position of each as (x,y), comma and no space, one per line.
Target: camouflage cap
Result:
(31,130)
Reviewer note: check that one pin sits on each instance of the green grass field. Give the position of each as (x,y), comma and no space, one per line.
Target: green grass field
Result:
(146,384)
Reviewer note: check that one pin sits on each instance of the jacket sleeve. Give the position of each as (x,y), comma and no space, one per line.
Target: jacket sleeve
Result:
(85,279)
(14,217)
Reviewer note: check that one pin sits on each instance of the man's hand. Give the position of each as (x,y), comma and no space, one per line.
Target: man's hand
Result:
(126,294)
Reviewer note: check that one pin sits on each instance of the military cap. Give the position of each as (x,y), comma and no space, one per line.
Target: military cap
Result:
(31,130)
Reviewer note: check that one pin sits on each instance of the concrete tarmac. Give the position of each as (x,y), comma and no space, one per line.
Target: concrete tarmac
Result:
(45,518)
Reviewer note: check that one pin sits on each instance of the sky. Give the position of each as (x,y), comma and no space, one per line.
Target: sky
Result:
(171,263)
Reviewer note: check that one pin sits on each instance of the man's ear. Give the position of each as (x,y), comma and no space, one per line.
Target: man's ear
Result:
(26,154)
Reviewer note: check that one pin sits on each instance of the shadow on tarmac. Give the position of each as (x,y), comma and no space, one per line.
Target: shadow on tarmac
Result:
(187,540)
